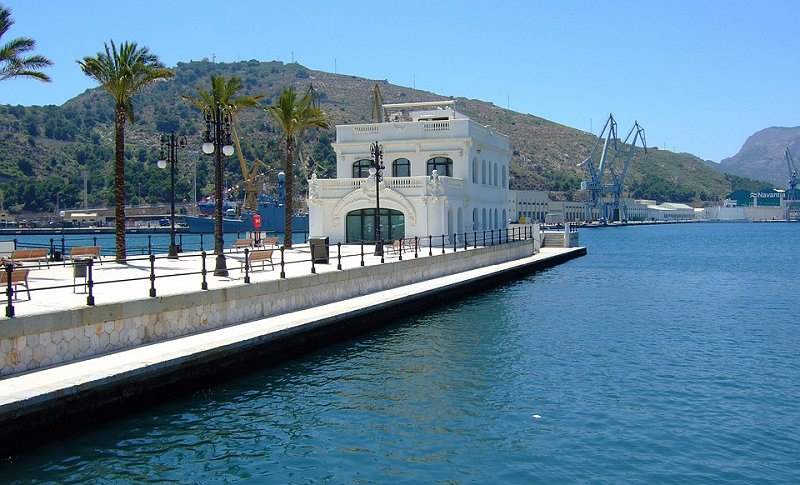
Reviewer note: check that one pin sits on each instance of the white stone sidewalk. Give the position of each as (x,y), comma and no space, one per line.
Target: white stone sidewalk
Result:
(296,264)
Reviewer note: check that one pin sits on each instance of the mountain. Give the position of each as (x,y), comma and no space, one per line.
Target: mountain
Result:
(44,150)
(761,156)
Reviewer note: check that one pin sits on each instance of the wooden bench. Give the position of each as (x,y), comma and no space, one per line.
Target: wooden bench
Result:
(260,256)
(29,255)
(19,277)
(270,241)
(242,243)
(85,252)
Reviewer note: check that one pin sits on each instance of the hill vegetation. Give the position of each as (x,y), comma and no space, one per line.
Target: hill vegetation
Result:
(44,150)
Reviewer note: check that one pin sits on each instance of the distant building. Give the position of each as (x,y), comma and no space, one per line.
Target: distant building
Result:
(444,174)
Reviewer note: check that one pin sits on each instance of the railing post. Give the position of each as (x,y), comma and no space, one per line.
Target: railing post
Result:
(90,283)
(311,249)
(339,255)
(430,245)
(465,241)
(416,246)
(246,265)
(180,241)
(474,239)
(203,271)
(152,275)
(362,252)
(149,244)
(283,273)
(401,249)
(202,248)
(9,291)
(455,242)
(484,238)
(491,233)
(52,250)
(63,251)
(442,243)
(94,240)
(381,241)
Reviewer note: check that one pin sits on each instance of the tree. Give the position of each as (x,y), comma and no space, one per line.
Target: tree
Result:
(224,93)
(13,59)
(122,73)
(294,115)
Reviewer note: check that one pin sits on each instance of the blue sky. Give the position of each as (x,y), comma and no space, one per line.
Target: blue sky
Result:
(700,76)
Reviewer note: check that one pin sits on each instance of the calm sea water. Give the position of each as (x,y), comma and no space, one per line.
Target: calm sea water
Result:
(667,355)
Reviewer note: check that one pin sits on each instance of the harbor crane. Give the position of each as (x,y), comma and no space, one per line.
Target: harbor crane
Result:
(608,136)
(792,171)
(791,200)
(636,135)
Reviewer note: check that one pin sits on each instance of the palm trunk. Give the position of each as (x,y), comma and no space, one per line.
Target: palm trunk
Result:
(119,182)
(289,197)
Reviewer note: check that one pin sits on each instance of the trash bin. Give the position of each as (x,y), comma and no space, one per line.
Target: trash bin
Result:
(320,249)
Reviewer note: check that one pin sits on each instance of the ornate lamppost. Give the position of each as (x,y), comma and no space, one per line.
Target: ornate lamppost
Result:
(169,154)
(376,170)
(217,140)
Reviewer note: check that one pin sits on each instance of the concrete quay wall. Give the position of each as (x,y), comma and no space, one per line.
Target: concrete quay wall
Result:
(36,341)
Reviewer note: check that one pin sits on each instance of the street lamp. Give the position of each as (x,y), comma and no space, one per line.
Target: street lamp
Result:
(376,169)
(169,154)
(217,140)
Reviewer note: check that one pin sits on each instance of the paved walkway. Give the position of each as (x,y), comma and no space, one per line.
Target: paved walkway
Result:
(105,291)
(49,385)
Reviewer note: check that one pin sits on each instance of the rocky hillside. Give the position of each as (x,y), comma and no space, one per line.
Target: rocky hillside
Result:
(45,150)
(761,156)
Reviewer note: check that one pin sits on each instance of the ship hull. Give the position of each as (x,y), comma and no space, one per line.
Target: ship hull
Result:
(272,220)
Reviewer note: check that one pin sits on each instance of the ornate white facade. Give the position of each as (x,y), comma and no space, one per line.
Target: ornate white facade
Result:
(444,174)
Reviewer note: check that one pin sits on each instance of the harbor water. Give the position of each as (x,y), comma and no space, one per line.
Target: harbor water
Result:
(667,355)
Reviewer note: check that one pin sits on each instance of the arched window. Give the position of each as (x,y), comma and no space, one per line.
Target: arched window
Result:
(361,169)
(401,168)
(474,170)
(442,165)
(360,225)
(483,172)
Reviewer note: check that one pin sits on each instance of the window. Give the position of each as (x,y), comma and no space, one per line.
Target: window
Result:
(504,176)
(494,174)
(361,169)
(483,172)
(360,225)
(475,223)
(401,168)
(442,165)
(474,170)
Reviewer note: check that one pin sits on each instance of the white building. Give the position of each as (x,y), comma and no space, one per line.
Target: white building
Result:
(444,174)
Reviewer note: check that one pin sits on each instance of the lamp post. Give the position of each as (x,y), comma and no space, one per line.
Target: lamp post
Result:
(376,169)
(169,154)
(217,140)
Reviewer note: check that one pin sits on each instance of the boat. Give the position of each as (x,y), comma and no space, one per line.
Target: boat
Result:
(270,209)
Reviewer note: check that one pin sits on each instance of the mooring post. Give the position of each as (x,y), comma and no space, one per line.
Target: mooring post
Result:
(339,255)
(152,275)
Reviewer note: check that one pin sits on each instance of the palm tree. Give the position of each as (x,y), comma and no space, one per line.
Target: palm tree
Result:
(122,73)
(294,115)
(13,61)
(224,93)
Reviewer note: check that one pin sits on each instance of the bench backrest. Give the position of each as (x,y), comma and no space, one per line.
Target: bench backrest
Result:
(17,276)
(243,242)
(261,255)
(85,251)
(271,241)
(29,253)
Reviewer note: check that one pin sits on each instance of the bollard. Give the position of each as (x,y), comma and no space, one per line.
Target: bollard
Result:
(401,249)
(416,246)
(283,273)
(362,252)
(442,243)
(204,284)
(9,291)
(465,241)
(246,265)
(430,245)
(313,268)
(339,255)
(152,276)
(90,284)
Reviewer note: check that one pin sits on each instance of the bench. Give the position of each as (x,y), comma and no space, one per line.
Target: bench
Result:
(19,277)
(242,243)
(269,241)
(260,256)
(407,245)
(29,255)
(85,252)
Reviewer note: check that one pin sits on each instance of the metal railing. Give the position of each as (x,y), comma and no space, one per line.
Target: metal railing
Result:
(441,244)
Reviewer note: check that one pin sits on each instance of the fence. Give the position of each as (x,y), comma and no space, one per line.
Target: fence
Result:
(416,245)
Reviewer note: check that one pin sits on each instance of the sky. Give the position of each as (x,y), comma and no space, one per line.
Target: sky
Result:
(699,76)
